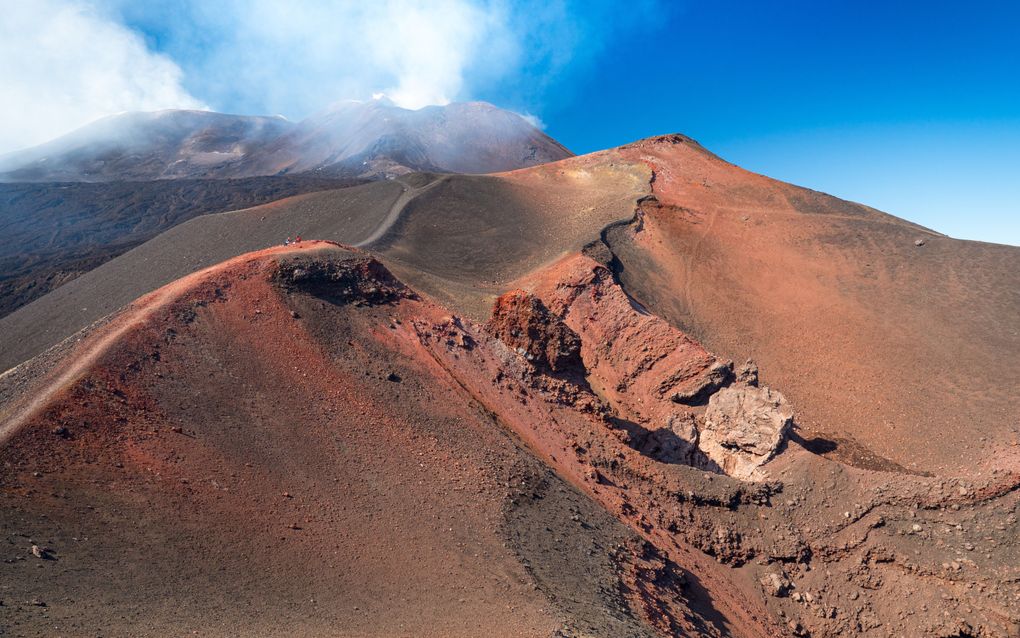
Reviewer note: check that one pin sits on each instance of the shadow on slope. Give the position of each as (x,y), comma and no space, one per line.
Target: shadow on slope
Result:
(55,232)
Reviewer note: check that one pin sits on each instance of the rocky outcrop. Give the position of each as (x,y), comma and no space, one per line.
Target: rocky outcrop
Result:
(521,321)
(350,280)
(635,361)
(744,426)
(656,380)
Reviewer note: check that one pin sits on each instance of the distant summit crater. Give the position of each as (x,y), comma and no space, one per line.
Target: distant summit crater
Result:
(373,139)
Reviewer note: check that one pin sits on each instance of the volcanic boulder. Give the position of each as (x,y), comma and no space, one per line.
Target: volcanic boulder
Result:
(744,426)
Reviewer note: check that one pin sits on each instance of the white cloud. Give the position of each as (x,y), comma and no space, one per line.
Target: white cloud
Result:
(426,48)
(65,64)
(300,55)
(534,120)
(295,56)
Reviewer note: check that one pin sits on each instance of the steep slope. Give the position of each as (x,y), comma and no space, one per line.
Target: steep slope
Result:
(887,336)
(271,447)
(351,139)
(877,340)
(344,215)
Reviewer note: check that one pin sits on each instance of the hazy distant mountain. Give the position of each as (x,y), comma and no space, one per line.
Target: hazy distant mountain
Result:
(376,136)
(144,146)
(349,139)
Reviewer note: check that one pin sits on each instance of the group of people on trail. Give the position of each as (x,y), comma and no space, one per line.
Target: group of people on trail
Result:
(289,241)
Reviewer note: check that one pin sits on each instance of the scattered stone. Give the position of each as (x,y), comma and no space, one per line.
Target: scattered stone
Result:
(294,314)
(62,432)
(41,552)
(775,584)
(919,243)
(176,429)
(394,377)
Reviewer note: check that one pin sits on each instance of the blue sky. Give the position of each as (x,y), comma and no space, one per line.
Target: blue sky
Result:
(911,107)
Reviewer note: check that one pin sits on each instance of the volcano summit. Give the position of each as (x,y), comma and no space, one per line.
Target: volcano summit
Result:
(348,139)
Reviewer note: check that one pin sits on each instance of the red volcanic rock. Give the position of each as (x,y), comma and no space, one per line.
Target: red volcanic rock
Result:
(521,321)
(635,359)
(837,305)
(430,489)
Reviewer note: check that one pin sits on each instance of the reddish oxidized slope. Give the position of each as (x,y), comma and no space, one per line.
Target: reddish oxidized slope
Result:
(849,548)
(839,501)
(293,442)
(896,351)
(231,459)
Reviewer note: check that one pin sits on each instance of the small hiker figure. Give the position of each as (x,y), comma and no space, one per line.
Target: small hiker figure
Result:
(297,239)
(286,242)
